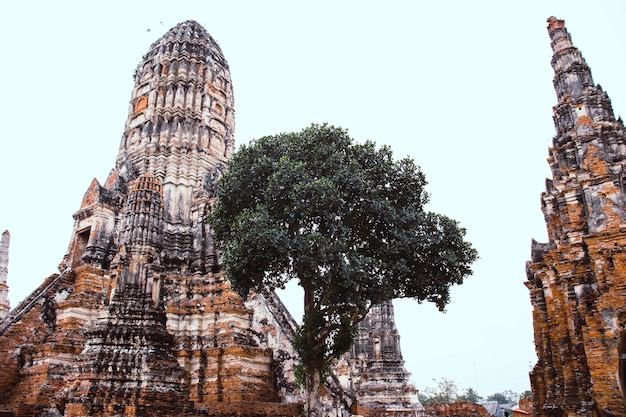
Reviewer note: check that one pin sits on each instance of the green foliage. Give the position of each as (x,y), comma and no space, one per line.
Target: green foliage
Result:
(470,395)
(526,394)
(299,374)
(424,399)
(345,220)
(504,397)
(446,391)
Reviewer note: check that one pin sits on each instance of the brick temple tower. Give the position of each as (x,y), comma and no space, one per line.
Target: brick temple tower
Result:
(141,321)
(577,280)
(4,270)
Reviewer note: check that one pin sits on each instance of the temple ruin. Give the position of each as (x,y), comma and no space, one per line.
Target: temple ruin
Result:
(576,279)
(141,321)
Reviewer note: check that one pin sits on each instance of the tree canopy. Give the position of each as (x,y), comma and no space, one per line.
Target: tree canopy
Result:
(504,397)
(345,220)
(446,391)
(471,395)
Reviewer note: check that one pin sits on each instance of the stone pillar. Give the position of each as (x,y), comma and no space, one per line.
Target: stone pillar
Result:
(4,270)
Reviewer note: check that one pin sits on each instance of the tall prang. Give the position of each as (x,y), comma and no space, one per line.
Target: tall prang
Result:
(141,321)
(147,225)
(180,129)
(577,279)
(4,270)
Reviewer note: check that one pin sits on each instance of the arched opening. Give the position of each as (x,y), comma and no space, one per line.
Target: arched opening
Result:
(80,244)
(141,104)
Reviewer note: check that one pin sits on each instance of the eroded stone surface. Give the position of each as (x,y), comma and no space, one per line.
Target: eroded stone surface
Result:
(374,368)
(457,409)
(4,269)
(142,322)
(577,279)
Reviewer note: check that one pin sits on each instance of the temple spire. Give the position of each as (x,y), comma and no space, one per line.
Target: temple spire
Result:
(588,148)
(576,279)
(580,101)
(181,108)
(4,270)
(571,72)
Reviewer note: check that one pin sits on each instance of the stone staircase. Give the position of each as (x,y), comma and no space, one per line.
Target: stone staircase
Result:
(24,307)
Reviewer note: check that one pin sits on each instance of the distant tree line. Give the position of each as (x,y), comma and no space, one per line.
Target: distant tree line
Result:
(447,391)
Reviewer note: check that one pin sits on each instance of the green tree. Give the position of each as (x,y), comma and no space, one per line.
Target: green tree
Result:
(504,397)
(424,399)
(470,395)
(446,391)
(345,220)
(526,394)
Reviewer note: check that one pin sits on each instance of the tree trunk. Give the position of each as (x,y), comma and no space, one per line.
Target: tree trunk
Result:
(311,360)
(313,400)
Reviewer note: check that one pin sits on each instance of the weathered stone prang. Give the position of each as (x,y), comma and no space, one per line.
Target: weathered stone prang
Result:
(577,279)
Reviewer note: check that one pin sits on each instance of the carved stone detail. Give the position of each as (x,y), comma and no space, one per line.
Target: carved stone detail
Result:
(576,280)
(4,270)
(142,322)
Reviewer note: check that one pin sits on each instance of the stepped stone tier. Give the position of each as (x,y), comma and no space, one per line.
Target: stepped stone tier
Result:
(4,270)
(376,371)
(577,280)
(141,321)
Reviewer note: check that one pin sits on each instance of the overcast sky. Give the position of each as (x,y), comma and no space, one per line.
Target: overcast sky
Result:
(464,88)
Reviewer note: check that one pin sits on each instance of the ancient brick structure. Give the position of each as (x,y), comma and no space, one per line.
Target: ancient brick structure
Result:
(526,405)
(376,371)
(577,280)
(4,270)
(141,321)
(456,409)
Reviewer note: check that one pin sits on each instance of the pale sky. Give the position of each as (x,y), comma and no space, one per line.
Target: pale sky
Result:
(464,88)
